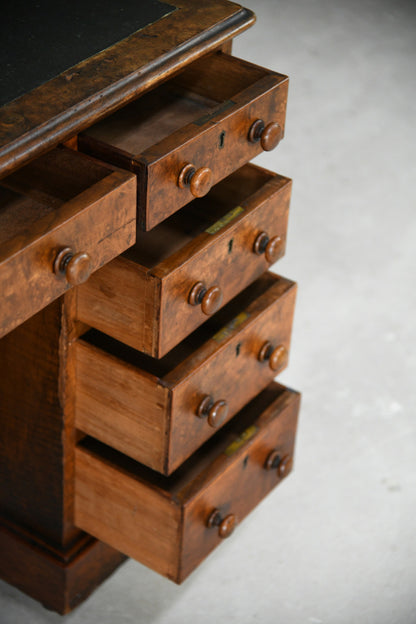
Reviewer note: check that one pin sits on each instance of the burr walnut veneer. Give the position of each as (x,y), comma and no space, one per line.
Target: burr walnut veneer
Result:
(140,326)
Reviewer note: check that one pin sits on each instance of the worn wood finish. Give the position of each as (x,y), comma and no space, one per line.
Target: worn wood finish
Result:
(148,408)
(65,215)
(142,297)
(201,117)
(163,521)
(35,444)
(59,580)
(72,101)
(61,200)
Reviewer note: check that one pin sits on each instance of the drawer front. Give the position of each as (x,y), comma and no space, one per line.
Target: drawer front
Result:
(171,524)
(210,142)
(165,195)
(62,217)
(161,417)
(150,308)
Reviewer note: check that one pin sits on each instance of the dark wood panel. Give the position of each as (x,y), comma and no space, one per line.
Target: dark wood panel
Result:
(60,581)
(36,461)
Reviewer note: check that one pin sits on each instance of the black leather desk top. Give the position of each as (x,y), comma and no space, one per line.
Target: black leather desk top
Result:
(41,39)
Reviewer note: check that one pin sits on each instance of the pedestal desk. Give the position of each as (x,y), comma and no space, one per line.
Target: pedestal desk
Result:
(140,327)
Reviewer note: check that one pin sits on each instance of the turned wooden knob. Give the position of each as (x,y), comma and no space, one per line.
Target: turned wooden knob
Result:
(215,413)
(271,247)
(75,267)
(210,299)
(276,356)
(225,525)
(275,461)
(199,181)
(269,136)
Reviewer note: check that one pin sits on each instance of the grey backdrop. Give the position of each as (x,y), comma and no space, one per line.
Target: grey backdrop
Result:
(335,544)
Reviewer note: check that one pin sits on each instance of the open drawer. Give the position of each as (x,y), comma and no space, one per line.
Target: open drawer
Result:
(172,523)
(160,411)
(61,218)
(192,131)
(186,268)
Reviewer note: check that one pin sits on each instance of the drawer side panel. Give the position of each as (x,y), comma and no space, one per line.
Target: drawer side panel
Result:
(126,514)
(122,300)
(108,392)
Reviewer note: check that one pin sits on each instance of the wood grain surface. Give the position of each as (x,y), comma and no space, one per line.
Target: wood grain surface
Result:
(61,200)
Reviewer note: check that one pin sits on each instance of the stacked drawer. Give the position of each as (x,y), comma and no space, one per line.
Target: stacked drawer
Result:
(182,429)
(62,217)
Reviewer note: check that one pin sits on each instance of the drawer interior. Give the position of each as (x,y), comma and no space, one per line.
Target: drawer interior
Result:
(39,189)
(201,90)
(242,307)
(198,216)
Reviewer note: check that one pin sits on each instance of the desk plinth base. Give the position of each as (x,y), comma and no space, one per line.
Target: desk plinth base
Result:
(59,580)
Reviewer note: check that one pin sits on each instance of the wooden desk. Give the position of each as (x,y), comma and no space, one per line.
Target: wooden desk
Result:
(66,216)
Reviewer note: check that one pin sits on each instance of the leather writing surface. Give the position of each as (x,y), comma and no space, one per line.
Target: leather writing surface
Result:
(42,39)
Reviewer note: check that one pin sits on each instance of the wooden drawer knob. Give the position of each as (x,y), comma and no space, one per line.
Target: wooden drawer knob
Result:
(276,356)
(199,181)
(275,461)
(271,247)
(215,413)
(210,299)
(75,267)
(269,136)
(225,525)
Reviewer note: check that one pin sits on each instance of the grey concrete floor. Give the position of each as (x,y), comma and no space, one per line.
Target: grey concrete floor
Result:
(335,543)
